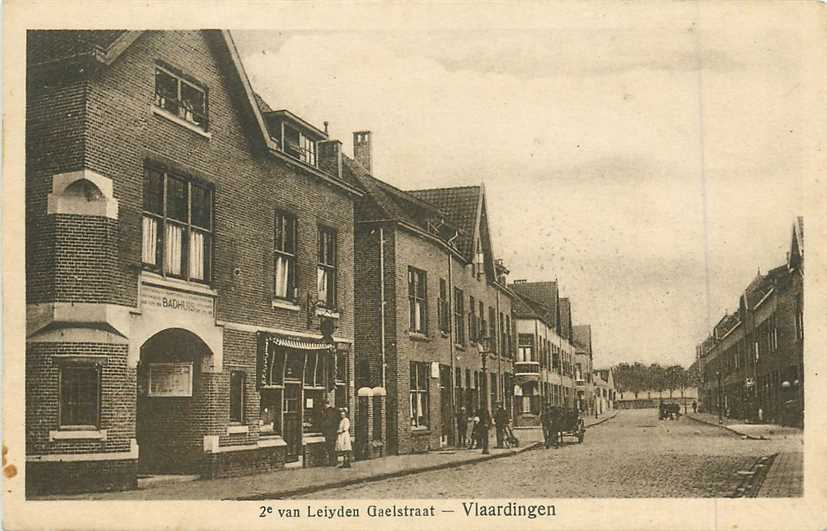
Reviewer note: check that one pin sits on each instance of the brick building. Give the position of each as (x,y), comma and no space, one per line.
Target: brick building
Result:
(426,257)
(189,264)
(753,361)
(544,367)
(583,368)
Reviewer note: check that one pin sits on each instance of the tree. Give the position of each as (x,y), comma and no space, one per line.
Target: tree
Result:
(674,378)
(657,378)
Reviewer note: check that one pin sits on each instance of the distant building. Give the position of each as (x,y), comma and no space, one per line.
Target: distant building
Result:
(752,363)
(605,394)
(545,362)
(583,370)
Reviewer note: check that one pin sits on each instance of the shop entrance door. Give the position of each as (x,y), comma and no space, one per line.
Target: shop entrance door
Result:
(292,420)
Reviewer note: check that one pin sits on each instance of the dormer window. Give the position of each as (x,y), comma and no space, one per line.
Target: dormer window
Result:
(294,136)
(180,97)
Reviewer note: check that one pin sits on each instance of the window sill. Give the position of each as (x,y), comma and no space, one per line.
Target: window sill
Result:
(270,440)
(148,277)
(286,305)
(238,428)
(418,336)
(420,430)
(327,312)
(77,434)
(312,438)
(157,111)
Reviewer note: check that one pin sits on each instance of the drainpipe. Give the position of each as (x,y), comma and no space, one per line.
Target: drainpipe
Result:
(382,300)
(450,295)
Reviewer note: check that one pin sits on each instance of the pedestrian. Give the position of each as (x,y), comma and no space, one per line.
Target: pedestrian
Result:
(554,427)
(694,406)
(473,430)
(544,422)
(343,440)
(330,430)
(484,425)
(500,420)
(462,424)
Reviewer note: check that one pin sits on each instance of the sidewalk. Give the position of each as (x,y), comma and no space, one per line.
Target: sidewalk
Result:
(785,478)
(750,431)
(293,482)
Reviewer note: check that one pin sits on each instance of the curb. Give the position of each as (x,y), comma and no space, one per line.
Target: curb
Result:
(601,421)
(724,426)
(379,477)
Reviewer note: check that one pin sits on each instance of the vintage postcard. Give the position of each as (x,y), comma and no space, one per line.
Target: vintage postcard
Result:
(281,265)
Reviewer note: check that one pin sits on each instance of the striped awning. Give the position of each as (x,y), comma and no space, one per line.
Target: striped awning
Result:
(300,344)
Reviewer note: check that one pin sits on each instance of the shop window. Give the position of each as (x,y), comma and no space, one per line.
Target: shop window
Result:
(418,300)
(79,396)
(238,380)
(419,394)
(284,259)
(270,411)
(326,270)
(459,316)
(313,406)
(177,226)
(294,367)
(180,97)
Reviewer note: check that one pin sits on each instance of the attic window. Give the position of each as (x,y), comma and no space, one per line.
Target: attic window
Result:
(297,145)
(180,97)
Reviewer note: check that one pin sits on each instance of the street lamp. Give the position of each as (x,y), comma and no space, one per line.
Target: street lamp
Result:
(483,346)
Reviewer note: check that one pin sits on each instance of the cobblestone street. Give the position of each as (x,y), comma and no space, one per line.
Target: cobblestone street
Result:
(633,455)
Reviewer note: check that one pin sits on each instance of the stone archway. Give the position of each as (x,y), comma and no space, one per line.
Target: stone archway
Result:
(172,406)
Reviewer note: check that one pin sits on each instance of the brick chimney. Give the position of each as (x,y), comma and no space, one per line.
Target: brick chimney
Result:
(330,157)
(362,150)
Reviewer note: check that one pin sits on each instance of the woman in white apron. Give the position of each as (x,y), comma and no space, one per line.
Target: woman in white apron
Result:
(343,439)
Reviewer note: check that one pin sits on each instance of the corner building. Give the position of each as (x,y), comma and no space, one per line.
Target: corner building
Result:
(426,257)
(189,265)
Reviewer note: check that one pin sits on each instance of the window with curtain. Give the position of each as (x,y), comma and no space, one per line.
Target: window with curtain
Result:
(177,226)
(419,394)
(284,256)
(418,300)
(326,271)
(459,316)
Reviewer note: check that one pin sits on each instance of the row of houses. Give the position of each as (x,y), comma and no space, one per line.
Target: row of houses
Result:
(752,363)
(204,273)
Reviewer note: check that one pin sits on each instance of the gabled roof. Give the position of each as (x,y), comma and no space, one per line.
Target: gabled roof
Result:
(543,292)
(565,318)
(524,307)
(461,204)
(583,337)
(795,258)
(104,47)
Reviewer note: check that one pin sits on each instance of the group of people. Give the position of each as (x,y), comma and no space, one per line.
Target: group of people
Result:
(473,429)
(336,431)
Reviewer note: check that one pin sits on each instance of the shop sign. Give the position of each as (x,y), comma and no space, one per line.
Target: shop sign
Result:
(181,302)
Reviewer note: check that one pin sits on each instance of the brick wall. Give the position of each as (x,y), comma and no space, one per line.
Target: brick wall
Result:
(404,249)
(42,399)
(124,133)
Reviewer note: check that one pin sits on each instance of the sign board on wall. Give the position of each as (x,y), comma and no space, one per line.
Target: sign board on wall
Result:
(170,379)
(193,304)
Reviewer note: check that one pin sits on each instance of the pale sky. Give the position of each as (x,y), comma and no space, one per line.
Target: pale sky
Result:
(650,161)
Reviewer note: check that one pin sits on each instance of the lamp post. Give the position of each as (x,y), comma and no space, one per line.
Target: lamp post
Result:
(483,346)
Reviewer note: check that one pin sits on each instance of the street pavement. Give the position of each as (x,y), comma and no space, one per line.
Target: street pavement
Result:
(633,455)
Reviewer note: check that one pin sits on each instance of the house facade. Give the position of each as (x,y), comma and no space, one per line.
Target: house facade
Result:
(190,265)
(545,364)
(445,338)
(583,368)
(753,363)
